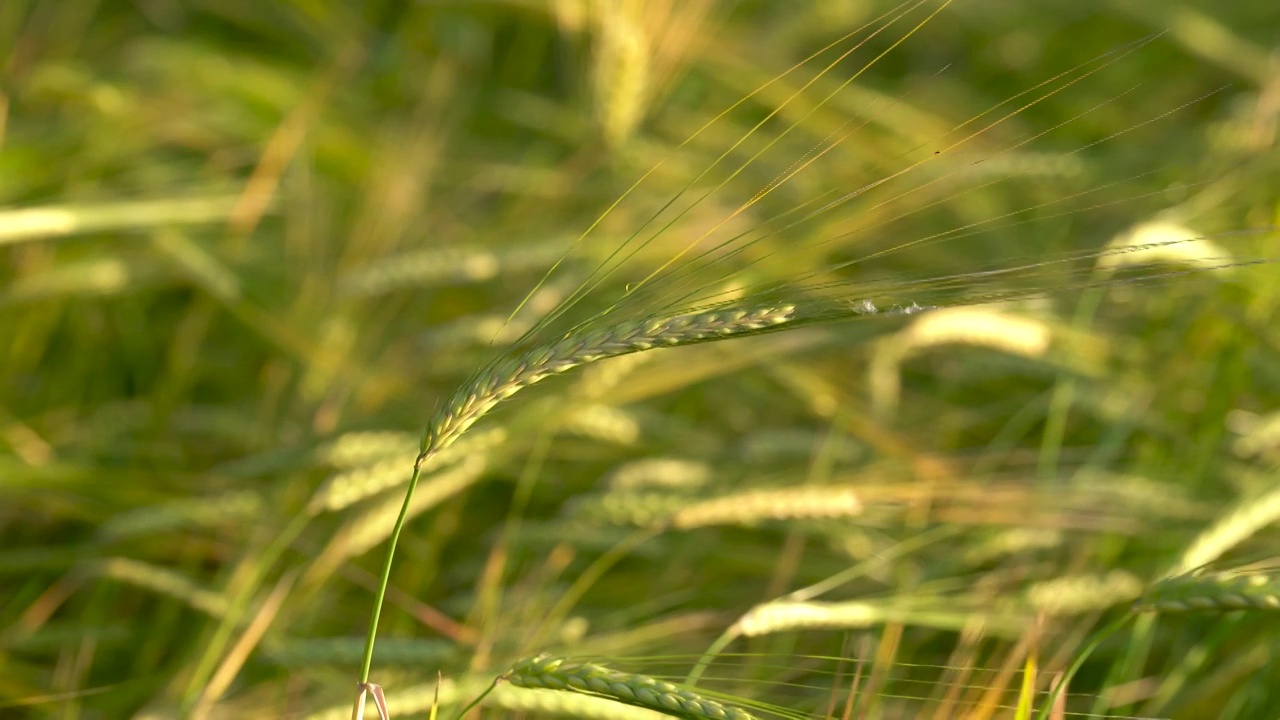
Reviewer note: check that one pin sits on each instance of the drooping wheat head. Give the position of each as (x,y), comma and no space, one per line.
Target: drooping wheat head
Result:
(499,382)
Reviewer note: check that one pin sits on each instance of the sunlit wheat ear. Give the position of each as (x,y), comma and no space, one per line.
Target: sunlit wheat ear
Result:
(1212,592)
(502,381)
(554,673)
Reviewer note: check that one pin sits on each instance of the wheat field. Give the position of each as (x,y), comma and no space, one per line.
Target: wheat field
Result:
(623,359)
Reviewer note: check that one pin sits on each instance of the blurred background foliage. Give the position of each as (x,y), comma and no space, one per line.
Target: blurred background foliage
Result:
(246,248)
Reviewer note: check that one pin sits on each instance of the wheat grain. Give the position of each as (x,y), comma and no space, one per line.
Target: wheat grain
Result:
(478,397)
(553,673)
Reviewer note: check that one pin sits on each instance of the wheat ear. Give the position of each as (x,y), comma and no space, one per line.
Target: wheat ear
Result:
(1212,592)
(553,673)
(478,397)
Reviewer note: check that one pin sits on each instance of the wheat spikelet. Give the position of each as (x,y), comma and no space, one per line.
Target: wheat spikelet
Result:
(498,383)
(1212,592)
(554,673)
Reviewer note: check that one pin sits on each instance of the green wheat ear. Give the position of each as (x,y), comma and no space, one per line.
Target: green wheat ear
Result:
(555,673)
(1212,592)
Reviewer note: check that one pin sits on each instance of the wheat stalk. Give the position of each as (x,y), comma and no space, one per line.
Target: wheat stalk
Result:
(553,673)
(478,397)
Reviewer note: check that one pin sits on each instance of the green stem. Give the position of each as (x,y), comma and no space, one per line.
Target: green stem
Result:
(367,662)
